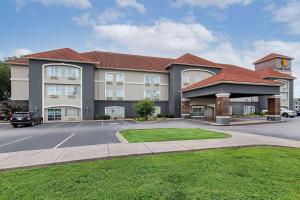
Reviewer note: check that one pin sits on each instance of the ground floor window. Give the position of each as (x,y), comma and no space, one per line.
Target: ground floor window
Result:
(54,114)
(157,110)
(230,110)
(72,112)
(115,111)
(197,111)
(249,110)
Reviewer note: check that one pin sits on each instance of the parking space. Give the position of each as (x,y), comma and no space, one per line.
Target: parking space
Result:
(59,135)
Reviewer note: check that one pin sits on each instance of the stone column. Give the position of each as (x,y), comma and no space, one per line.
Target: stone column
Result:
(185,108)
(222,109)
(274,108)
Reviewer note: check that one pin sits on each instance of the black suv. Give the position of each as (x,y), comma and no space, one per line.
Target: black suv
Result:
(25,118)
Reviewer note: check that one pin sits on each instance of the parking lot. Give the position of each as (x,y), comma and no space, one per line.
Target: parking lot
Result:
(59,135)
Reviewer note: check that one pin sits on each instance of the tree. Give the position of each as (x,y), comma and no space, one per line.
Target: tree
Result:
(144,108)
(4,81)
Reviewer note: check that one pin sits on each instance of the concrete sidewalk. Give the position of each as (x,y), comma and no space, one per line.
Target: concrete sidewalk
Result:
(106,151)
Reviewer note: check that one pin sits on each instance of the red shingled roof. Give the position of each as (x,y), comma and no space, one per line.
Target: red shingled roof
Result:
(232,74)
(192,60)
(18,61)
(65,54)
(272,56)
(270,73)
(126,61)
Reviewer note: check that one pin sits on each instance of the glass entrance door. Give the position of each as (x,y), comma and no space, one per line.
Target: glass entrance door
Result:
(54,114)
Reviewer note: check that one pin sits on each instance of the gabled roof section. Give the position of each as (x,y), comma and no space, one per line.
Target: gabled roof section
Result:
(272,56)
(65,54)
(234,75)
(270,73)
(128,62)
(189,59)
(18,61)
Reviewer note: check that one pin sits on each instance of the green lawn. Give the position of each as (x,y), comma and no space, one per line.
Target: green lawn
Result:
(243,173)
(170,134)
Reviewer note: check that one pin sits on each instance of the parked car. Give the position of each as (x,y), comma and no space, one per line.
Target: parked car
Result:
(25,118)
(298,113)
(2,116)
(287,113)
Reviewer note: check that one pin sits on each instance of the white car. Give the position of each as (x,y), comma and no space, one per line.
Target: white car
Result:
(287,113)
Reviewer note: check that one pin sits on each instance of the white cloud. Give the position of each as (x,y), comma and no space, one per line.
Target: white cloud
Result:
(83,20)
(80,4)
(110,15)
(288,14)
(21,52)
(162,38)
(133,4)
(222,4)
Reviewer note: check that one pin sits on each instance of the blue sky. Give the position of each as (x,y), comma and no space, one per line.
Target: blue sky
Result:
(228,31)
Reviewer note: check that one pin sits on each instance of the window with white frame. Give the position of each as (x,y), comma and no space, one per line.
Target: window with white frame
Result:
(157,110)
(147,94)
(197,111)
(156,94)
(72,112)
(109,77)
(156,80)
(115,111)
(147,79)
(186,80)
(53,71)
(109,93)
(249,110)
(72,72)
(54,90)
(120,93)
(230,110)
(72,90)
(119,77)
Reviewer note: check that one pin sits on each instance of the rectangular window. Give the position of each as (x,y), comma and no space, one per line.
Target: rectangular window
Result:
(230,110)
(72,112)
(72,90)
(156,80)
(249,110)
(156,94)
(147,94)
(109,77)
(120,77)
(157,110)
(120,93)
(54,90)
(72,72)
(109,93)
(197,111)
(53,71)
(54,114)
(147,79)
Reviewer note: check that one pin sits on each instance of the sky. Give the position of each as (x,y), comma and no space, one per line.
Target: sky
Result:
(228,31)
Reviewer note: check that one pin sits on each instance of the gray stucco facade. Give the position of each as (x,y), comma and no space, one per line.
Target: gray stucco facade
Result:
(128,105)
(36,87)
(175,85)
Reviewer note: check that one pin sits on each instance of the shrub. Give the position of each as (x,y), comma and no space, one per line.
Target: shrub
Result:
(160,116)
(102,117)
(144,108)
(170,116)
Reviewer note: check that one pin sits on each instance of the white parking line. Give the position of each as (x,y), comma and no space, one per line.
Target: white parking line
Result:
(81,124)
(64,141)
(15,141)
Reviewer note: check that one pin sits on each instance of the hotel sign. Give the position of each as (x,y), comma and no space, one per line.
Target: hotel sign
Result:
(284,65)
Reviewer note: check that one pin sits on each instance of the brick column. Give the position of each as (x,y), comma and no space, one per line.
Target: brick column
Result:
(274,108)
(222,109)
(185,108)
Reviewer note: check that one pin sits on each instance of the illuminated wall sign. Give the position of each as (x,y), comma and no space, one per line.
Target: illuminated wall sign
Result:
(283,65)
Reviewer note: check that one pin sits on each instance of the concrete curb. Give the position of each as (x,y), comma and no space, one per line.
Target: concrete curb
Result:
(121,138)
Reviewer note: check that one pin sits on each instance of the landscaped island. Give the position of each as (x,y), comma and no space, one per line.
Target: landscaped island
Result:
(244,173)
(170,134)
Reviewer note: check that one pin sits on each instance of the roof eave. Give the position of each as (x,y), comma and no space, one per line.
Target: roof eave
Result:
(61,60)
(231,82)
(195,65)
